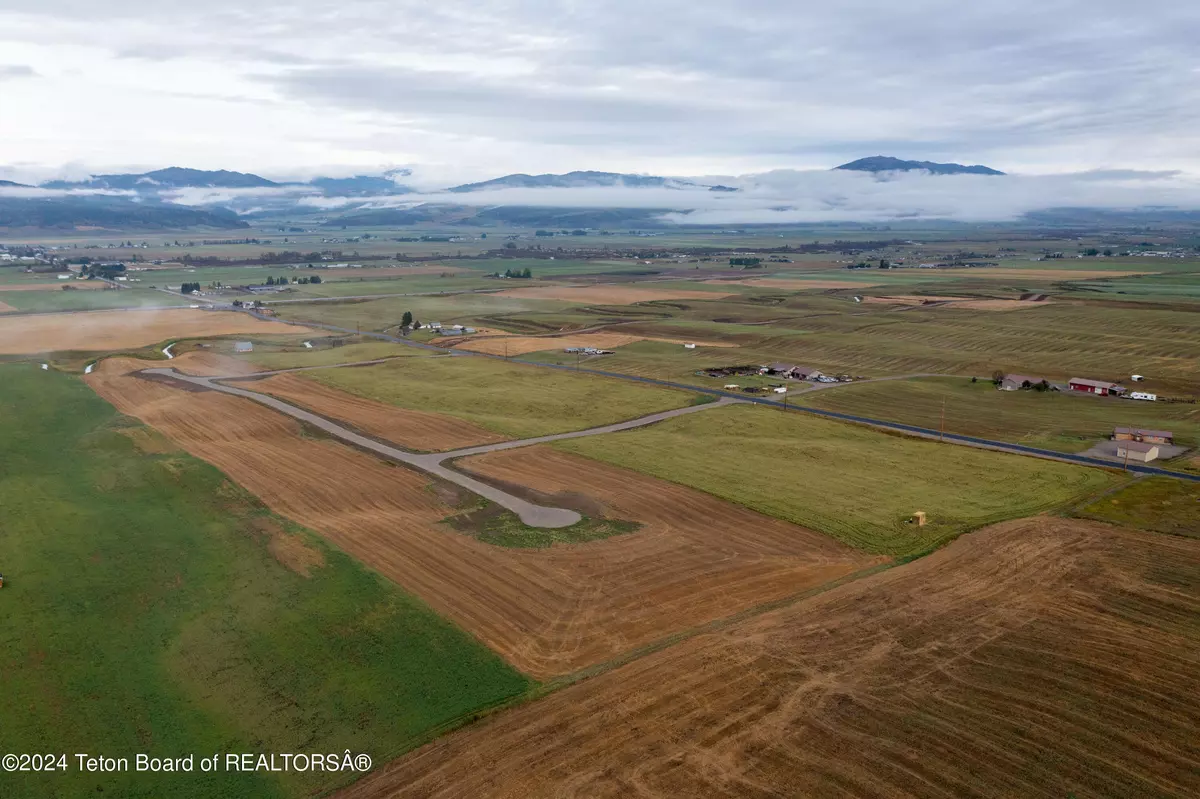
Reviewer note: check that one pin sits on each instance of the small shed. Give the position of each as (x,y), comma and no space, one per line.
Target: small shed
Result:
(805,373)
(243,346)
(1137,451)
(784,369)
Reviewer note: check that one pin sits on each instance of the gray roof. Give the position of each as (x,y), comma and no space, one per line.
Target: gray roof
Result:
(1137,446)
(1022,378)
(1083,381)
(1138,431)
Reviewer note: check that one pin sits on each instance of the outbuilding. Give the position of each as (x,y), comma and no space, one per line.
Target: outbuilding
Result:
(1018,382)
(1144,436)
(1137,451)
(1101,387)
(806,373)
(243,346)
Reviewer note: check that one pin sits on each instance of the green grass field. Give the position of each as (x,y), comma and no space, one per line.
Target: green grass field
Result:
(147,608)
(852,483)
(1053,420)
(292,355)
(1160,504)
(511,399)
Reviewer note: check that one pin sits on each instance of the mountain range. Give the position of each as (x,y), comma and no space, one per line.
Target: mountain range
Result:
(885,163)
(151,200)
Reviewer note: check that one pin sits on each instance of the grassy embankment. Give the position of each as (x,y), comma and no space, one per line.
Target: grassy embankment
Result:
(855,484)
(151,606)
(1160,504)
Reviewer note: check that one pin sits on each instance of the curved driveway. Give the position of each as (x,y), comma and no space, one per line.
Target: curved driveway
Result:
(530,513)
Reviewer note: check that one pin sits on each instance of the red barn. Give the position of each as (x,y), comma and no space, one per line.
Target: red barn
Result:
(1095,386)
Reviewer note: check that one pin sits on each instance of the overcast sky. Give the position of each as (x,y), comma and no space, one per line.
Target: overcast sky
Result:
(683,87)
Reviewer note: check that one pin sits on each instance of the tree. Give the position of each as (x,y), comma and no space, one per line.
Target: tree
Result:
(406,320)
(270,280)
(527,273)
(315,279)
(997,377)
(508,245)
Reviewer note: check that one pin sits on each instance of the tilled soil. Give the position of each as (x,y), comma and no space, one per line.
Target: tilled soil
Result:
(1036,658)
(549,612)
(118,330)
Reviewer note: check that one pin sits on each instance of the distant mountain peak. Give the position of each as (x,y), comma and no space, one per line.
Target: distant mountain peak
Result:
(886,163)
(173,177)
(569,180)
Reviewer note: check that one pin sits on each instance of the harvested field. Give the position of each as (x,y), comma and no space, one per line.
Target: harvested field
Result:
(372,273)
(608,295)
(1037,658)
(87,285)
(1000,305)
(118,330)
(912,299)
(521,345)
(796,284)
(548,612)
(205,363)
(411,429)
(967,303)
(1039,274)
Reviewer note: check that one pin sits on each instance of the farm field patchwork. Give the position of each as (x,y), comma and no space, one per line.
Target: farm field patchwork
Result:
(152,606)
(1051,420)
(611,294)
(858,485)
(511,399)
(292,355)
(548,612)
(117,330)
(1038,658)
(521,345)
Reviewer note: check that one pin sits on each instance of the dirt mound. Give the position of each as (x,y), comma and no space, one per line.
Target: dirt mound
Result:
(608,295)
(549,612)
(96,331)
(411,429)
(1037,658)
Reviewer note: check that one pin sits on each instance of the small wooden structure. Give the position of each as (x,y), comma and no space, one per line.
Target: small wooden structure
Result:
(918,518)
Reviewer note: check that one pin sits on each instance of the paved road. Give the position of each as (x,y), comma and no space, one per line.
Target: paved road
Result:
(532,514)
(923,432)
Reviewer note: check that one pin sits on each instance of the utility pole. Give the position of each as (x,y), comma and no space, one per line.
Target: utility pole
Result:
(942,425)
(1125,466)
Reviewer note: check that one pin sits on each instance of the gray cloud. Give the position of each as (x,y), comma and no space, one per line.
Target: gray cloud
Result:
(12,71)
(550,84)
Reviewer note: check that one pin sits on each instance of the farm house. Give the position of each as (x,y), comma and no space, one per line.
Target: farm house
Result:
(1018,382)
(1137,451)
(1100,387)
(1144,436)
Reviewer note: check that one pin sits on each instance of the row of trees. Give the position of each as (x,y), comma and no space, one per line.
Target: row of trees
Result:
(188,288)
(283,281)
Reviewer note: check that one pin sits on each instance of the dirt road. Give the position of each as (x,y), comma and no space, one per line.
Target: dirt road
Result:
(531,514)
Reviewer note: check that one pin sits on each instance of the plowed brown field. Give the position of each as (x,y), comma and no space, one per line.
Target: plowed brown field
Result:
(522,345)
(550,611)
(117,330)
(1038,658)
(87,285)
(410,429)
(793,283)
(609,295)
